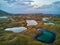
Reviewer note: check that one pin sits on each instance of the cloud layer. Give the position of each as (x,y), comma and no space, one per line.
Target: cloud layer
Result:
(29,6)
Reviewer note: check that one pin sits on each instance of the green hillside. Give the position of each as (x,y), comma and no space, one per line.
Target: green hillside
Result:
(3,13)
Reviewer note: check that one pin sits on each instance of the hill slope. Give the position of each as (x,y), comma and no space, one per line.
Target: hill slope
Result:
(3,13)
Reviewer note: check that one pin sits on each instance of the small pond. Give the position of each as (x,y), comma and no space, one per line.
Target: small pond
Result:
(3,17)
(31,22)
(16,29)
(46,36)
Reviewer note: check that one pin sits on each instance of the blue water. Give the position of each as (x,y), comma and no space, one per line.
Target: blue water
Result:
(46,36)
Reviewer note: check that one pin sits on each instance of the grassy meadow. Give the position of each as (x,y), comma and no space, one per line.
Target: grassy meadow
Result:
(27,37)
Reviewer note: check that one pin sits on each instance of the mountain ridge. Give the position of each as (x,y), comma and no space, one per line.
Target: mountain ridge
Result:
(3,13)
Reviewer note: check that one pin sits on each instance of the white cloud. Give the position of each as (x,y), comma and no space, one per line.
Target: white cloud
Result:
(20,4)
(24,5)
(17,4)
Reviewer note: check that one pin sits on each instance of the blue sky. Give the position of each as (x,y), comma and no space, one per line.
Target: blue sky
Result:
(24,6)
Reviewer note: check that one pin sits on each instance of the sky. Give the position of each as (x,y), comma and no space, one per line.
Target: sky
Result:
(24,6)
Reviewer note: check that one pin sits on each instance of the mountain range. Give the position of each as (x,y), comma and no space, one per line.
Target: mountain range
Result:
(3,13)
